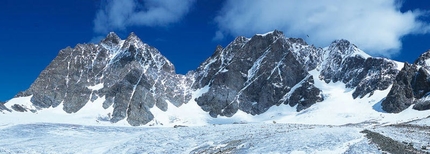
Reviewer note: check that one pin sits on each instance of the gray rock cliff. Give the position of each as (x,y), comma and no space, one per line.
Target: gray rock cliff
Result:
(412,87)
(401,94)
(253,75)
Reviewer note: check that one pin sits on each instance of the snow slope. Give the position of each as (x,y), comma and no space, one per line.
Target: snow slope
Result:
(91,114)
(340,108)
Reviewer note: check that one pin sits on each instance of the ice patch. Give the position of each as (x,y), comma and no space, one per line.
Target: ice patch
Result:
(96,87)
(427,62)
(399,65)
(361,53)
(265,33)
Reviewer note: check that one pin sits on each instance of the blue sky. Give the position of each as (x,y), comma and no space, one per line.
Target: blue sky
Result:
(187,31)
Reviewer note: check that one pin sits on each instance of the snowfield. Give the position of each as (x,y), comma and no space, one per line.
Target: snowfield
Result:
(234,138)
(333,126)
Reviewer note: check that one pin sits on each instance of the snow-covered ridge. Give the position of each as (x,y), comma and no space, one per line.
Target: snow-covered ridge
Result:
(265,34)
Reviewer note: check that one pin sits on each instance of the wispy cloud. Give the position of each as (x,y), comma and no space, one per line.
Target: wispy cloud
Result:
(120,14)
(375,26)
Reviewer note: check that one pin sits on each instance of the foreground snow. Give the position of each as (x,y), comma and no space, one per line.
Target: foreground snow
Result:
(415,133)
(239,138)
(227,138)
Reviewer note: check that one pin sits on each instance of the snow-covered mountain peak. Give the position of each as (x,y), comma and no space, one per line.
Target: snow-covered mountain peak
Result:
(111,39)
(341,44)
(269,37)
(113,42)
(275,33)
(297,41)
(132,38)
(423,59)
(239,40)
(344,48)
(133,49)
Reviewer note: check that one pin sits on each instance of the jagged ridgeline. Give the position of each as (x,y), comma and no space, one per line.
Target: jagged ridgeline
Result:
(250,75)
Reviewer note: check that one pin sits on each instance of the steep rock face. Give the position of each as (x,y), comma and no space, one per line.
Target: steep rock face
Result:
(310,56)
(401,95)
(344,62)
(422,104)
(421,82)
(132,76)
(253,75)
(376,74)
(412,86)
(421,88)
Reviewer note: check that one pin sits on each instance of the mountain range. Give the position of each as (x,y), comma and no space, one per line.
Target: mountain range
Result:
(136,83)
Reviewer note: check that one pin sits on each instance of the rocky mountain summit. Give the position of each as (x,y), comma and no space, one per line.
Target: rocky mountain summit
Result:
(249,75)
(132,77)
(254,74)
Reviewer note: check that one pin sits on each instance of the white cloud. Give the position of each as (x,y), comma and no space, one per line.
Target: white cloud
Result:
(97,39)
(375,26)
(218,36)
(120,14)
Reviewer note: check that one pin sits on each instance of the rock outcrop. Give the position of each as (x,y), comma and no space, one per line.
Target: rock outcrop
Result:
(412,87)
(4,108)
(421,82)
(401,94)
